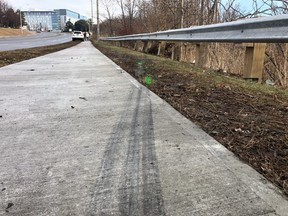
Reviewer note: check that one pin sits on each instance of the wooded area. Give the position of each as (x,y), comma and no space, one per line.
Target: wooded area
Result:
(141,16)
(8,17)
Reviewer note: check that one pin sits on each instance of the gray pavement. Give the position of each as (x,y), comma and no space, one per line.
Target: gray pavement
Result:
(79,136)
(35,40)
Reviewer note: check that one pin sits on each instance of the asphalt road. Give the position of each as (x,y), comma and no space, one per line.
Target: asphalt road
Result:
(35,40)
(79,136)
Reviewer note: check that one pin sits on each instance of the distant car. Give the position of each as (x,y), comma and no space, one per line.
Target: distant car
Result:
(77,35)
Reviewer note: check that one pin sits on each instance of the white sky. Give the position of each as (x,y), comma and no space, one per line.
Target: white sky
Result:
(80,6)
(84,6)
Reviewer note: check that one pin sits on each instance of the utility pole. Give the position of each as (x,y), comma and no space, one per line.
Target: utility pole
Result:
(98,24)
(182,48)
(20,15)
(92,17)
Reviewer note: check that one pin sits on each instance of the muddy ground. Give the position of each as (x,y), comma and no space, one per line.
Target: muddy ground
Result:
(247,118)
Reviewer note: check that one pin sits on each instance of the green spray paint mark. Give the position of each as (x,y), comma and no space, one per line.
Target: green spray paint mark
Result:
(148,79)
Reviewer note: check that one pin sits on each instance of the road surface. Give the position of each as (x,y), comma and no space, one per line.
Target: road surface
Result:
(79,136)
(35,40)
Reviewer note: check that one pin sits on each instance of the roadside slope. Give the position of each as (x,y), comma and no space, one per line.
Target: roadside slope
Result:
(247,118)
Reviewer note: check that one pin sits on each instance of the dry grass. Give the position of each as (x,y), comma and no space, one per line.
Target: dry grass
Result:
(13,32)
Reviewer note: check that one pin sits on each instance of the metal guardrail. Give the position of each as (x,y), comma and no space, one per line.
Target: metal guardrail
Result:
(272,29)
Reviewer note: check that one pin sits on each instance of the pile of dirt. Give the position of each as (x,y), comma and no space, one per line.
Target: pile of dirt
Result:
(13,32)
(243,116)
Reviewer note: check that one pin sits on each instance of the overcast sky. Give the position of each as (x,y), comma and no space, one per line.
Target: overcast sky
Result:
(80,6)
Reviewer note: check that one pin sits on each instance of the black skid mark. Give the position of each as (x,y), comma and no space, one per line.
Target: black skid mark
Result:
(105,187)
(141,192)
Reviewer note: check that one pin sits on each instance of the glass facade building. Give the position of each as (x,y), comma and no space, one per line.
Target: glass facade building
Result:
(50,20)
(39,19)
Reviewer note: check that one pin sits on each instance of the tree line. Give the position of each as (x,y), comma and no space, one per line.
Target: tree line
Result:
(122,17)
(138,16)
(80,25)
(8,16)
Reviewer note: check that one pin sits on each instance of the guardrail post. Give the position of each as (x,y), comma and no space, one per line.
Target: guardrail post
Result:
(254,60)
(161,48)
(126,44)
(183,49)
(173,52)
(147,46)
(175,55)
(119,43)
(138,46)
(199,55)
(144,46)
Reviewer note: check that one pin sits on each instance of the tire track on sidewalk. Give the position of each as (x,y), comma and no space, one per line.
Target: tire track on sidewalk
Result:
(129,191)
(105,189)
(141,192)
(153,203)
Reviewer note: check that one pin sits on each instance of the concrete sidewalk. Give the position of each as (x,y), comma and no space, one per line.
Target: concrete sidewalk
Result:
(79,136)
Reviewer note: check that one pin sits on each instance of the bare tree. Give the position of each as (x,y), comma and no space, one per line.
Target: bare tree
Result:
(230,11)
(3,9)
(109,6)
(128,13)
(266,8)
(156,15)
(8,17)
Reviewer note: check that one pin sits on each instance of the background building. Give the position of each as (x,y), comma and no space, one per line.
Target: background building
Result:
(50,20)
(65,15)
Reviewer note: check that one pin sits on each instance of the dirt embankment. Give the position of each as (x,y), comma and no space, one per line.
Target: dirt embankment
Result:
(249,119)
(8,32)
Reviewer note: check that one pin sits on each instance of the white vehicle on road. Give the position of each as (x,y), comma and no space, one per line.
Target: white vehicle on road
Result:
(77,35)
